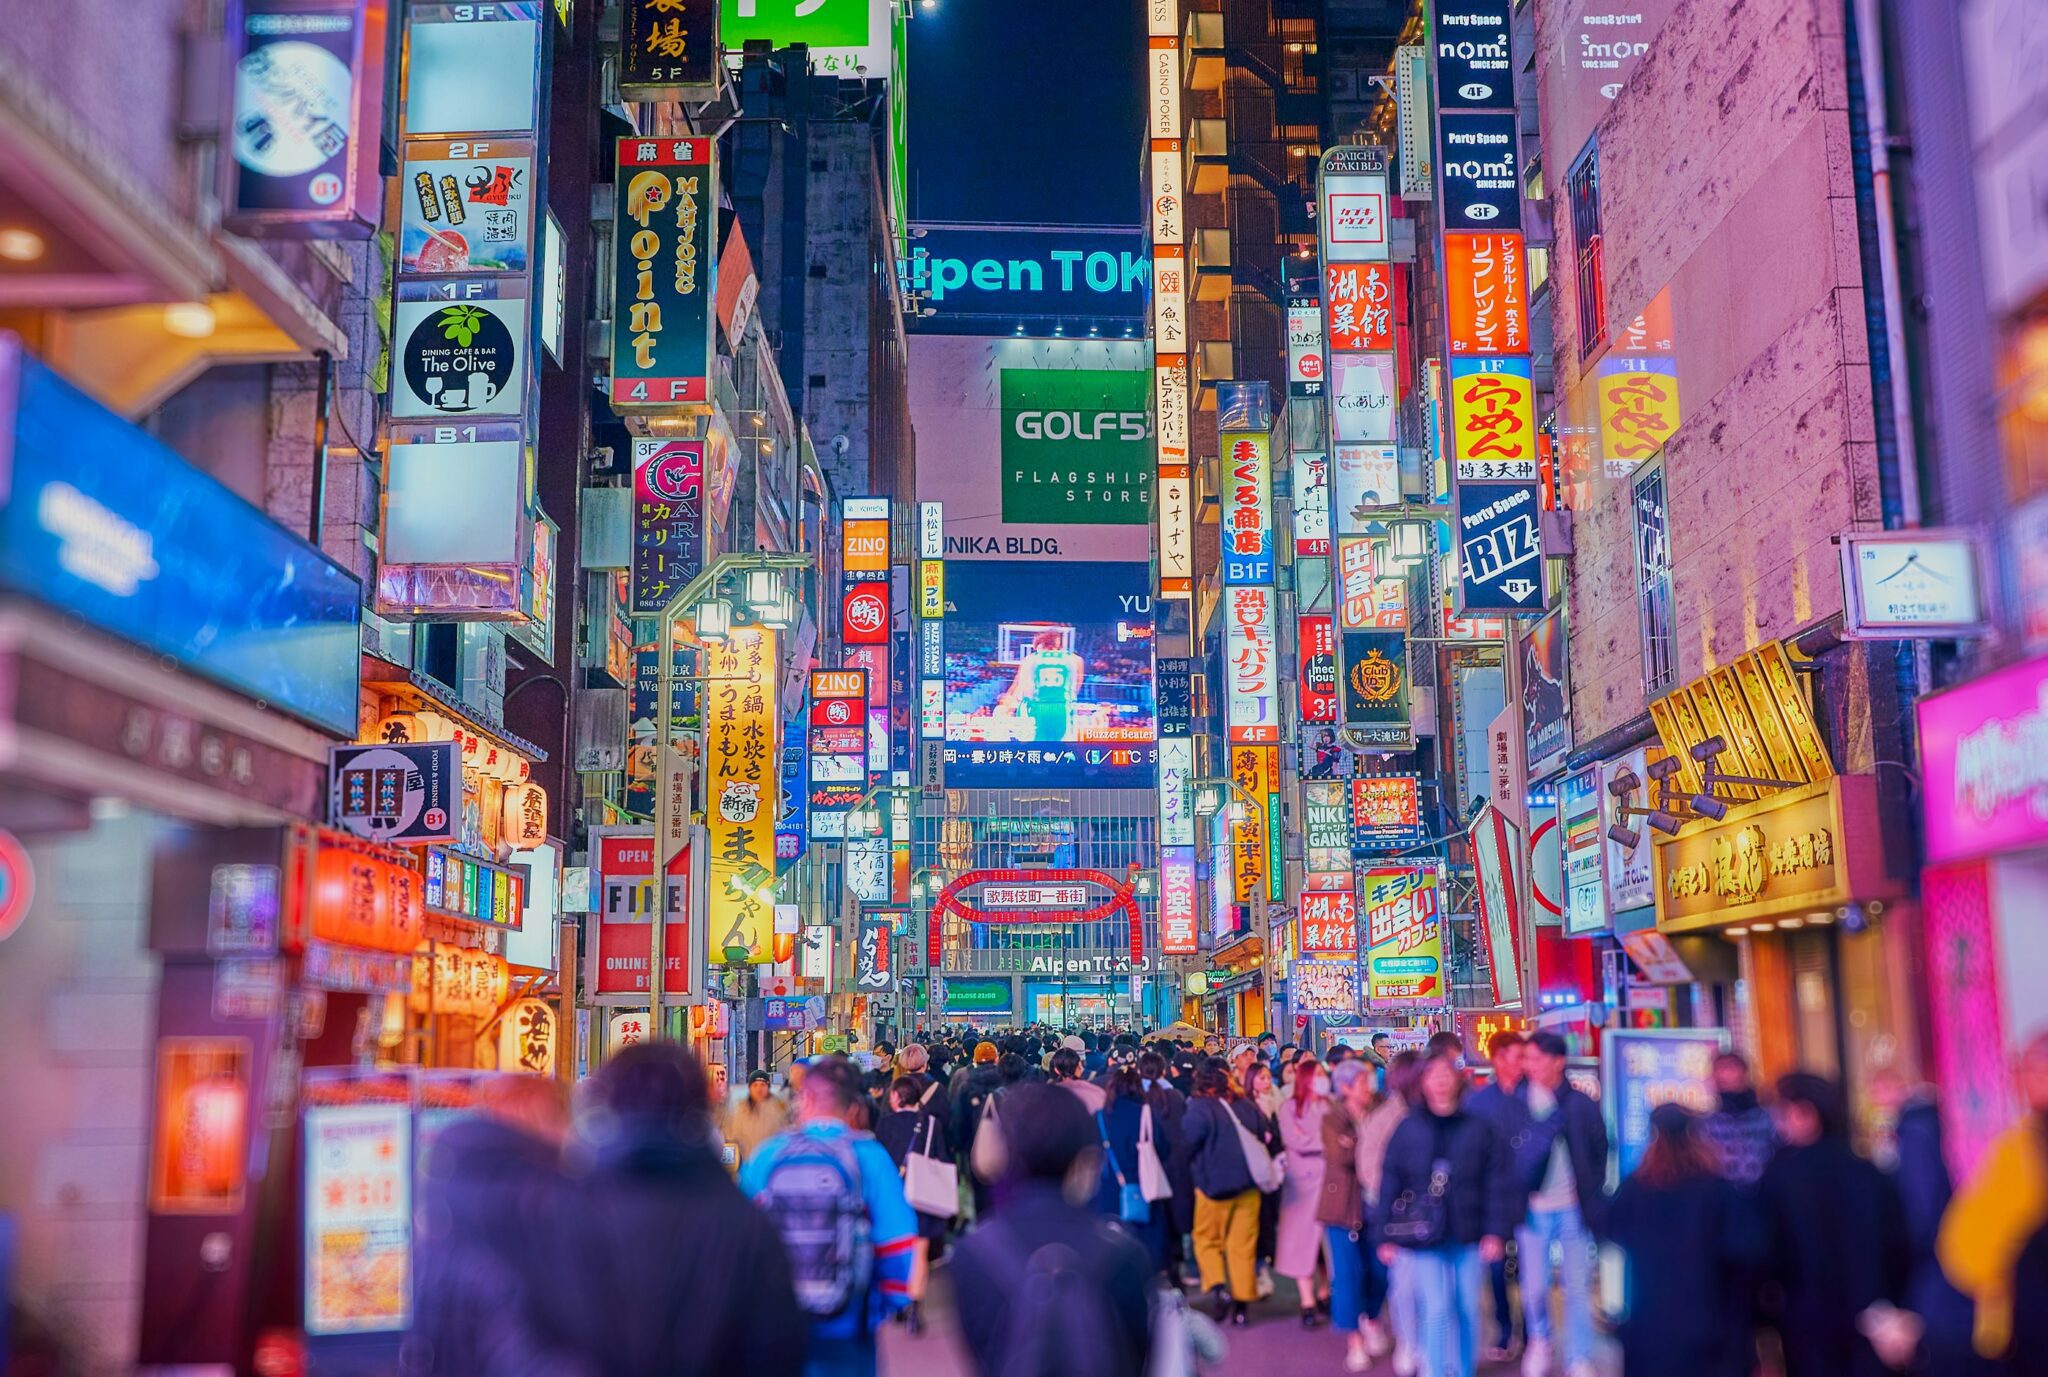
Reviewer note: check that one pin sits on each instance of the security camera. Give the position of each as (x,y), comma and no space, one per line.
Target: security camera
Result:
(1707,806)
(1623,837)
(840,444)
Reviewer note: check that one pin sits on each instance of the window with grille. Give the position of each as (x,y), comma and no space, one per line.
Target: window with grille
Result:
(1653,580)
(1583,189)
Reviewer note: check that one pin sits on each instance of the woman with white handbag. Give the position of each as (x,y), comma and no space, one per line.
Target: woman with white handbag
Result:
(1134,1188)
(918,1143)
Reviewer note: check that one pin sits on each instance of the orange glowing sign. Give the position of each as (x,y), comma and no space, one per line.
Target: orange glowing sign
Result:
(865,547)
(197,1161)
(1488,290)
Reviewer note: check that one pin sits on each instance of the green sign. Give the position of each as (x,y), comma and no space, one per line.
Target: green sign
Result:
(1077,446)
(842,34)
(977,996)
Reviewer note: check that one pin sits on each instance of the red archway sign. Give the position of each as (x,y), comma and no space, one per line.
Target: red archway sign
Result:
(17,885)
(1121,897)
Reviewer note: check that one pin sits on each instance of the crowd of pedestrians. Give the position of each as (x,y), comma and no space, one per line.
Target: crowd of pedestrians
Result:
(1077,1187)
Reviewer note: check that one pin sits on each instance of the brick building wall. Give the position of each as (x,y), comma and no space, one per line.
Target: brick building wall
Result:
(1725,183)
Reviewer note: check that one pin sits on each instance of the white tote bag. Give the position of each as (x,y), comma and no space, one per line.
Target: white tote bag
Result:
(988,1156)
(1152,1182)
(1267,1170)
(930,1183)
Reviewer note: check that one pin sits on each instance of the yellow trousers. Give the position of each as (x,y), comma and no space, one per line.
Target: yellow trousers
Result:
(1227,1243)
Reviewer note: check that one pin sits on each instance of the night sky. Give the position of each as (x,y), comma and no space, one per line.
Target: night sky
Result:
(1027,112)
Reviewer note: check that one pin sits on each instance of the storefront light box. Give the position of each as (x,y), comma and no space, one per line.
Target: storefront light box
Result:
(101,521)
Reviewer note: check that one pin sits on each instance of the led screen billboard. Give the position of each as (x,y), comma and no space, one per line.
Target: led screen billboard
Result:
(1049,675)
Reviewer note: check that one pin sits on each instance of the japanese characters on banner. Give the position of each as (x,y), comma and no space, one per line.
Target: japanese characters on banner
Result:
(1247,536)
(1304,340)
(667,213)
(1176,791)
(1359,304)
(668,521)
(1311,492)
(1329,922)
(1386,812)
(1404,957)
(1365,600)
(1491,439)
(1323,986)
(1578,810)
(1638,389)
(668,50)
(1254,842)
(1326,828)
(839,748)
(1365,482)
(1251,666)
(1178,935)
(458,522)
(740,748)
(1173,488)
(1318,685)
(874,964)
(931,611)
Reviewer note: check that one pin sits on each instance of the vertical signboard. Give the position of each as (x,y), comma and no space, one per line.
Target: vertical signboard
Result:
(1496,848)
(1403,935)
(668,50)
(1578,809)
(1247,536)
(1251,666)
(1177,931)
(1375,693)
(305,110)
(740,725)
(1318,670)
(1172,488)
(668,521)
(358,1202)
(1253,839)
(1491,436)
(666,214)
(839,748)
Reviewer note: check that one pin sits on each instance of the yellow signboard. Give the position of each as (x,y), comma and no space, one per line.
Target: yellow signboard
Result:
(1759,709)
(740,755)
(1256,770)
(931,589)
(1798,853)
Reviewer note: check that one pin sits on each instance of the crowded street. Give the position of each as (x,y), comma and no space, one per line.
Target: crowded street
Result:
(1023,688)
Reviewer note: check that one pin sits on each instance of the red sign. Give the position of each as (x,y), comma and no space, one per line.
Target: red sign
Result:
(625,926)
(1318,670)
(1329,922)
(842,712)
(17,884)
(864,614)
(1359,307)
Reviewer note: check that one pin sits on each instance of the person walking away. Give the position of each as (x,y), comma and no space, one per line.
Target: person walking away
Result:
(1498,1103)
(1996,1220)
(1046,1287)
(1066,1074)
(1358,1288)
(979,1083)
(1298,1239)
(622,1294)
(915,1061)
(1375,1132)
(1226,1222)
(1447,1202)
(1691,1243)
(1129,1115)
(832,1193)
(1837,1236)
(1908,1148)
(1255,1087)
(1565,1160)
(759,1116)
(1169,1113)
(1739,1130)
(490,1185)
(912,1126)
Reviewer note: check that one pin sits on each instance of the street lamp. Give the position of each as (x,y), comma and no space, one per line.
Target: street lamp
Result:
(711,603)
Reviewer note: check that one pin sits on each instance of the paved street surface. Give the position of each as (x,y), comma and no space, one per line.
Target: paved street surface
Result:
(1273,1345)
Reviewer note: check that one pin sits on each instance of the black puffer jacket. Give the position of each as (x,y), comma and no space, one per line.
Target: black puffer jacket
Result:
(1483,1198)
(1215,1157)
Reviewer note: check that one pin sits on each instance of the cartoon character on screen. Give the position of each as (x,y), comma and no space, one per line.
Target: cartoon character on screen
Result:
(1047,682)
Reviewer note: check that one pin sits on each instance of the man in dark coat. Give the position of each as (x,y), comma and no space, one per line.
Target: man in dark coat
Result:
(1837,1235)
(659,1267)
(1045,1282)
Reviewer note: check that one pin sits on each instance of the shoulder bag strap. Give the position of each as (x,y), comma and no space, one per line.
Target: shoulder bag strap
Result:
(1145,1124)
(1102,1127)
(929,1091)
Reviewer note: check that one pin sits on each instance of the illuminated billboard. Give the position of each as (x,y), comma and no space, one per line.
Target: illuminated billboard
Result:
(1049,675)
(1047,446)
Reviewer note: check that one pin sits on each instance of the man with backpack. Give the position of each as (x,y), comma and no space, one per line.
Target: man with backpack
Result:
(1047,1287)
(833,1194)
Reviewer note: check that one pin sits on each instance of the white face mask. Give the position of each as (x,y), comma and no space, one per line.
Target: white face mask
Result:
(1322,1085)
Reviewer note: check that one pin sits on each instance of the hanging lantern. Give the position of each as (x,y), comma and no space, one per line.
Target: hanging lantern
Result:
(398,729)
(456,980)
(785,947)
(472,749)
(434,726)
(526,1038)
(210,1114)
(526,816)
(626,1030)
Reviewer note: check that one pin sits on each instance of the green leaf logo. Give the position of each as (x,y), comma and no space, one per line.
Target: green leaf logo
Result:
(460,323)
